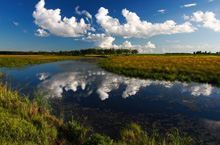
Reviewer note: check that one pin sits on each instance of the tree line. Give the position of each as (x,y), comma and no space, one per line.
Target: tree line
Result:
(205,52)
(196,52)
(91,51)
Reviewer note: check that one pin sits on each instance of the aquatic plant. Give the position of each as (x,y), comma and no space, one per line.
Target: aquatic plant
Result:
(134,135)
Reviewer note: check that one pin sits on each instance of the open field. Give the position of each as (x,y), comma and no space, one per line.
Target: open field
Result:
(24,121)
(186,68)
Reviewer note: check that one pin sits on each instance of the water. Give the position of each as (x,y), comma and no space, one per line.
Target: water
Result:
(107,101)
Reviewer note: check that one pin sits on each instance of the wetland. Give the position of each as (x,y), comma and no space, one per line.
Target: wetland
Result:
(79,90)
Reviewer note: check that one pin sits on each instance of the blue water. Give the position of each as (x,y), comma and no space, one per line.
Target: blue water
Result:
(81,89)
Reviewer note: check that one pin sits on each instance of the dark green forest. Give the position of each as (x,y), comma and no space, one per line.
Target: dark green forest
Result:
(90,51)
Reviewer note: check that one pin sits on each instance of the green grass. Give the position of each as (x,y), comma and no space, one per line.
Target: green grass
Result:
(185,68)
(24,121)
(23,60)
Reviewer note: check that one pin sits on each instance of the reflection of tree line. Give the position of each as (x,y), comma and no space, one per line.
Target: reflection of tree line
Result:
(93,51)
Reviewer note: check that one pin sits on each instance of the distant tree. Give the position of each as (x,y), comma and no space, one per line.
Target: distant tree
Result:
(134,51)
(119,51)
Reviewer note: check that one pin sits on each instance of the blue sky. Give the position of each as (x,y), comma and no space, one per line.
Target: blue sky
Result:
(151,26)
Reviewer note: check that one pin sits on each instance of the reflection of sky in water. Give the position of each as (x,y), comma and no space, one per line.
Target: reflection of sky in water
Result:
(97,80)
(85,78)
(43,76)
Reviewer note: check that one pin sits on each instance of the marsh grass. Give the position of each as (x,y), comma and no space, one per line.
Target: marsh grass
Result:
(185,68)
(24,121)
(23,60)
(132,134)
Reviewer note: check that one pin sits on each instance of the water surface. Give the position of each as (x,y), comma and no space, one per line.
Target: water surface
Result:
(106,101)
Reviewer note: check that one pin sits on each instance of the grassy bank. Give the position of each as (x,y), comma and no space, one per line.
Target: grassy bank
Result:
(24,121)
(23,60)
(197,68)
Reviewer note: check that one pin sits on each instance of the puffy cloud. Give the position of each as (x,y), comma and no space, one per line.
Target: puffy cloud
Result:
(84,12)
(137,28)
(104,41)
(150,45)
(42,33)
(51,20)
(161,11)
(185,17)
(208,19)
(15,23)
(211,1)
(188,5)
(101,40)
(128,45)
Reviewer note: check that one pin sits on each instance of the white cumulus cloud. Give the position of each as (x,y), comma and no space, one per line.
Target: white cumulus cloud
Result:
(141,49)
(208,19)
(42,33)
(51,20)
(189,5)
(105,41)
(137,28)
(101,40)
(84,12)
(185,17)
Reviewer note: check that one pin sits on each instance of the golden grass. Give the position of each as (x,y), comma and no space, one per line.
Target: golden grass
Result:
(23,60)
(198,68)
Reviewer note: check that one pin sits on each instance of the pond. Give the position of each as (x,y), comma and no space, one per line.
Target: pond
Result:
(80,90)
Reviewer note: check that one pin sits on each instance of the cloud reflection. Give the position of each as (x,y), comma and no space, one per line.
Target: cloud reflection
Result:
(43,76)
(197,90)
(212,124)
(103,83)
(67,81)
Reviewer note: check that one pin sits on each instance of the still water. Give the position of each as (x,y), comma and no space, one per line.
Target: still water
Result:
(80,90)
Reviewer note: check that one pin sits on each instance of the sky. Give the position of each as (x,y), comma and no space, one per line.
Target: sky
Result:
(150,26)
